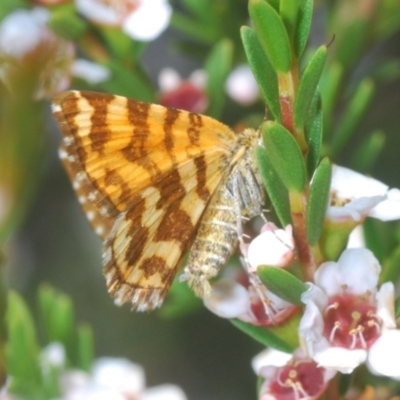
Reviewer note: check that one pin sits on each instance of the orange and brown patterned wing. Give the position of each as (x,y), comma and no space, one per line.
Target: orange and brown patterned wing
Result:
(113,148)
(143,251)
(143,174)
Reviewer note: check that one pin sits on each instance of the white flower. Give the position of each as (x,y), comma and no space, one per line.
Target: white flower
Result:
(236,297)
(186,94)
(273,247)
(288,376)
(32,57)
(53,355)
(355,196)
(346,316)
(241,85)
(89,71)
(22,31)
(116,379)
(140,19)
(356,238)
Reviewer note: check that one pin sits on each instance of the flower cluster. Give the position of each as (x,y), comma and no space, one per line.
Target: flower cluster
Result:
(347,320)
(109,378)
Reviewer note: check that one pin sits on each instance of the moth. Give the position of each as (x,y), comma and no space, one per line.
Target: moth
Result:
(154,182)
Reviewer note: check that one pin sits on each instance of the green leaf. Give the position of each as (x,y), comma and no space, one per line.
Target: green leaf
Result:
(218,66)
(193,28)
(263,71)
(62,321)
(128,83)
(282,283)
(200,9)
(318,201)
(271,33)
(308,86)
(65,22)
(263,335)
(22,351)
(390,268)
(277,192)
(367,153)
(288,11)
(313,129)
(351,41)
(180,301)
(85,347)
(353,114)
(57,316)
(303,26)
(8,6)
(285,155)
(275,4)
(397,308)
(330,84)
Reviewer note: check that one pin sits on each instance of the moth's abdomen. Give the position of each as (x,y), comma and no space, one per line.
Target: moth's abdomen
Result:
(216,241)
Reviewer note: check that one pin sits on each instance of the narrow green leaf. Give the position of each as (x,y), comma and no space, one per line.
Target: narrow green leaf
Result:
(376,238)
(200,9)
(276,4)
(85,347)
(65,22)
(353,114)
(46,299)
(277,192)
(288,11)
(330,84)
(263,335)
(308,86)
(390,268)
(125,82)
(57,316)
(367,153)
(313,129)
(263,71)
(345,381)
(180,301)
(22,350)
(397,308)
(303,26)
(193,28)
(217,66)
(318,201)
(351,41)
(282,283)
(285,155)
(62,321)
(271,33)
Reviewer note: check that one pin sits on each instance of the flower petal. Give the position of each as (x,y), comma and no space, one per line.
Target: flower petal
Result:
(388,209)
(89,71)
(228,299)
(358,270)
(241,85)
(340,359)
(164,392)
(385,305)
(270,357)
(348,184)
(273,247)
(22,30)
(118,374)
(384,355)
(148,21)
